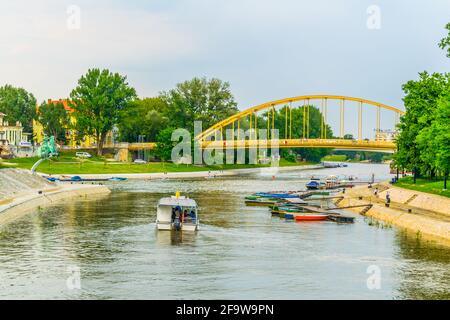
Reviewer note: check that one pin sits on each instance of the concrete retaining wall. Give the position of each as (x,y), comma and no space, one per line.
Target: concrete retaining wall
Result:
(432,228)
(22,192)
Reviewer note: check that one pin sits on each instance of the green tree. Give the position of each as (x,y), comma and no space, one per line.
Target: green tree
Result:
(348,136)
(54,119)
(279,117)
(18,105)
(420,103)
(445,42)
(146,117)
(441,128)
(98,101)
(164,144)
(199,99)
(437,138)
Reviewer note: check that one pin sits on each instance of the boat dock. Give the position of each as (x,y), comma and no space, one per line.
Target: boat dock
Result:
(340,218)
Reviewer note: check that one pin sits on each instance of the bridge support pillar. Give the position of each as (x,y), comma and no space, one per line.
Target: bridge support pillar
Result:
(122,155)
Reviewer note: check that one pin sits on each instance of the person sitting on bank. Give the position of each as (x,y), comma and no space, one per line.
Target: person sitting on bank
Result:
(388,199)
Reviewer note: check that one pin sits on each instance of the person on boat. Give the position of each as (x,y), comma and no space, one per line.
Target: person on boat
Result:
(173,214)
(184,216)
(192,216)
(178,213)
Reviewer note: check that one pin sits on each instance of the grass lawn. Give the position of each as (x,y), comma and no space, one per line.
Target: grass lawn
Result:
(66,163)
(335,157)
(425,185)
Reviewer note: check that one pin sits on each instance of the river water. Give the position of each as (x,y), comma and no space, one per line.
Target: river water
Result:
(239,253)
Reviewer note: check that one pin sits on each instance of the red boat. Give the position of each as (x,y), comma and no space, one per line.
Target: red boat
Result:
(311,217)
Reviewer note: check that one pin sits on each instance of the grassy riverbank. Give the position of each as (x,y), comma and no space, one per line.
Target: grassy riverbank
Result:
(68,164)
(335,157)
(424,185)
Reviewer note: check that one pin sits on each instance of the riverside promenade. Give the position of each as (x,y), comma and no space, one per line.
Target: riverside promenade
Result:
(194,174)
(20,192)
(426,215)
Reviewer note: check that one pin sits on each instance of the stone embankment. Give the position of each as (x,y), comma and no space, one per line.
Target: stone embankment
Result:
(426,215)
(21,192)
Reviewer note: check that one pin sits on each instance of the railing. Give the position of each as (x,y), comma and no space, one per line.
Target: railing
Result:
(301,143)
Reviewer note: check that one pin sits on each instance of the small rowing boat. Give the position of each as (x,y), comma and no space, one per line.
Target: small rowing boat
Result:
(310,217)
(276,195)
(261,202)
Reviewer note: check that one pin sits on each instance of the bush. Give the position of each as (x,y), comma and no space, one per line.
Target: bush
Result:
(290,158)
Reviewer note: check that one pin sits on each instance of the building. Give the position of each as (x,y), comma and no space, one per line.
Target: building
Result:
(13,141)
(385,135)
(11,135)
(72,141)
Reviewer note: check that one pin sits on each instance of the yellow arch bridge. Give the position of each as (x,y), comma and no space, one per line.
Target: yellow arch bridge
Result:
(214,137)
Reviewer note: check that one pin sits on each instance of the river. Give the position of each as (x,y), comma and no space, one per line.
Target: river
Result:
(239,253)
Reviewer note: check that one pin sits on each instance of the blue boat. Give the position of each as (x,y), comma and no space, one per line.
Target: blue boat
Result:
(276,195)
(314,185)
(118,179)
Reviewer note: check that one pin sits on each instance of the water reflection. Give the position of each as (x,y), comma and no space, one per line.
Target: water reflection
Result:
(427,275)
(173,238)
(239,252)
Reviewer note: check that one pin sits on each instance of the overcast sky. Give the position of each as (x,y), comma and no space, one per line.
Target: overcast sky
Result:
(267,50)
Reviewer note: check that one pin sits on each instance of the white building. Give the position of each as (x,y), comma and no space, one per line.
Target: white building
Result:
(385,135)
(12,134)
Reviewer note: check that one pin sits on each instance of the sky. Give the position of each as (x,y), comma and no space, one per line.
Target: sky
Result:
(265,49)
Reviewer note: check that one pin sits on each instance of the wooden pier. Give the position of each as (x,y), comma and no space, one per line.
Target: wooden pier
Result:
(340,218)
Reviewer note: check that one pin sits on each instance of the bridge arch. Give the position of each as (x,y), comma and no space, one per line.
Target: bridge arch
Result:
(306,98)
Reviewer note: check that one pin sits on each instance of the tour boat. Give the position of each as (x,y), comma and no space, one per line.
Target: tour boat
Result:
(310,217)
(177,213)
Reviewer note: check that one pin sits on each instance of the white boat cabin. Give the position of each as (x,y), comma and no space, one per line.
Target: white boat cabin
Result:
(177,213)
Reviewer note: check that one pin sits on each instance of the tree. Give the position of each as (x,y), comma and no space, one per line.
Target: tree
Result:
(18,105)
(420,103)
(54,119)
(98,101)
(296,131)
(199,99)
(440,136)
(445,42)
(348,136)
(144,117)
(164,144)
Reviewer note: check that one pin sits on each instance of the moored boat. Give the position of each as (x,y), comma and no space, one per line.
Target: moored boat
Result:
(315,184)
(260,202)
(310,217)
